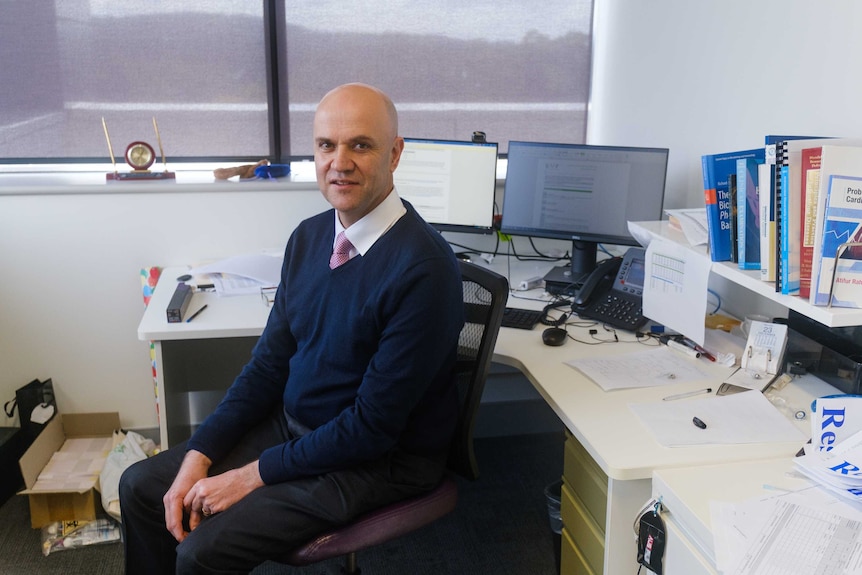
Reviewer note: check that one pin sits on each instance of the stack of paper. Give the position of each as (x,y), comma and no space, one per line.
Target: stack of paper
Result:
(834,458)
(242,275)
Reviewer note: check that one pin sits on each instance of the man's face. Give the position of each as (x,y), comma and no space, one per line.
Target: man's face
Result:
(356,149)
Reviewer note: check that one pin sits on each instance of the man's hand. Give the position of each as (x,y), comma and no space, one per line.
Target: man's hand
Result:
(211,495)
(194,468)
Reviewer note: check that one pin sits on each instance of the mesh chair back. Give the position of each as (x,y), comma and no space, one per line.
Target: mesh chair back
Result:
(485,296)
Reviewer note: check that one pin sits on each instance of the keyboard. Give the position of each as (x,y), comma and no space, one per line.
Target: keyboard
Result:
(521,318)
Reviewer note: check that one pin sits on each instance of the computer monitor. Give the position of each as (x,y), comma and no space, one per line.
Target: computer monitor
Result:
(581,193)
(450,183)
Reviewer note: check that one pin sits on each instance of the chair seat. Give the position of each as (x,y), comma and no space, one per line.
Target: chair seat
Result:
(380,525)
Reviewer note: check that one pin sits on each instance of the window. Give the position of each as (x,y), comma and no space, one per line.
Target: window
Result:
(205,70)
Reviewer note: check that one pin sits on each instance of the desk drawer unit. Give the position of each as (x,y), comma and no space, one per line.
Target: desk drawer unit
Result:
(572,562)
(584,503)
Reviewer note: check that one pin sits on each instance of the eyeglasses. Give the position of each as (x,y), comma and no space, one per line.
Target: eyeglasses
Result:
(267,294)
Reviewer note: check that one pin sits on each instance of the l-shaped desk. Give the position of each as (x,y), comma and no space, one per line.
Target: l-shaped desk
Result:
(197,361)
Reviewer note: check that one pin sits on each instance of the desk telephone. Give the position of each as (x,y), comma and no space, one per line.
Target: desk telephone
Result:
(613,292)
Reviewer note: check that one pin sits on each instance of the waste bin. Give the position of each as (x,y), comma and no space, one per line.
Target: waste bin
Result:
(555,521)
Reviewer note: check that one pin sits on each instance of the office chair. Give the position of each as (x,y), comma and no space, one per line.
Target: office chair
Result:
(485,294)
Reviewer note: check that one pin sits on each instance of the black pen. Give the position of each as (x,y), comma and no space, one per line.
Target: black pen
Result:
(194,315)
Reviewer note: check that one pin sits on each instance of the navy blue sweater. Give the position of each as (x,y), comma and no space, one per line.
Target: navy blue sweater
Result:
(362,355)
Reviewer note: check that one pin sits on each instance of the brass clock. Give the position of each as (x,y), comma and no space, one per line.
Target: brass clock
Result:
(140,156)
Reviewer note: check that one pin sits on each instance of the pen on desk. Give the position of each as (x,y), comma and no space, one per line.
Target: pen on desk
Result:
(194,315)
(672,343)
(688,394)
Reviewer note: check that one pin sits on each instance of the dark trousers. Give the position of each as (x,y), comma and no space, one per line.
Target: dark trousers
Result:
(269,522)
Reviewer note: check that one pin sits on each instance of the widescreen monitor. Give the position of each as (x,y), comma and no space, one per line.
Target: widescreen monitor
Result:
(450,183)
(582,193)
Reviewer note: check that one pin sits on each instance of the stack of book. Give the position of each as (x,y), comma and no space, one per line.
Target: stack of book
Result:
(791,209)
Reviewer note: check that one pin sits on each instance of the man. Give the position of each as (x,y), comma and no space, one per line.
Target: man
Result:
(347,403)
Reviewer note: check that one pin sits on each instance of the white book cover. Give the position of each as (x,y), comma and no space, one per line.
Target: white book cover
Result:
(767,222)
(844,159)
(840,278)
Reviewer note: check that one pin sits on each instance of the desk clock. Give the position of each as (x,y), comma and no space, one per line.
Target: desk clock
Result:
(140,156)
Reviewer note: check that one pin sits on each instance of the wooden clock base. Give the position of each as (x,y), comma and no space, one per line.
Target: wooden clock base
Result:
(140,176)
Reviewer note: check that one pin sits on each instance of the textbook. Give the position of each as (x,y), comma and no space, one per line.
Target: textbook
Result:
(767,221)
(734,218)
(716,169)
(842,223)
(780,158)
(810,188)
(790,214)
(837,157)
(747,214)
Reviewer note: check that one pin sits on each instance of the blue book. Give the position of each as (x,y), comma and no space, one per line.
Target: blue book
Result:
(719,205)
(789,269)
(748,214)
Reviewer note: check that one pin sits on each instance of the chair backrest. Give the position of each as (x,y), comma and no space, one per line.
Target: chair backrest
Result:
(485,296)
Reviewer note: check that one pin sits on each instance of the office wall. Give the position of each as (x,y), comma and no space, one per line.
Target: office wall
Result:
(70,293)
(717,75)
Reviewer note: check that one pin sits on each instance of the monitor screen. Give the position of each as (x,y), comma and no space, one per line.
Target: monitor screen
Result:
(450,183)
(582,193)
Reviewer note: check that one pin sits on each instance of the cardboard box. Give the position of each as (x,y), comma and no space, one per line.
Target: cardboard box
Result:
(80,503)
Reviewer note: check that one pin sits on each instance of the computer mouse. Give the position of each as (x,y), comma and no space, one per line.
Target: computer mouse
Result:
(554,336)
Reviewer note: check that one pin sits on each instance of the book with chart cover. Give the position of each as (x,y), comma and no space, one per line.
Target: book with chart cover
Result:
(839,274)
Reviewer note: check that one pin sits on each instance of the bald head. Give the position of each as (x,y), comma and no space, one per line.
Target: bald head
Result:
(363,97)
(356,149)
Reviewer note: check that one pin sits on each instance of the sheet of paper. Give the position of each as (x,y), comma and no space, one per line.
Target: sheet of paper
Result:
(736,526)
(647,368)
(740,418)
(263,268)
(693,223)
(797,539)
(675,288)
(229,285)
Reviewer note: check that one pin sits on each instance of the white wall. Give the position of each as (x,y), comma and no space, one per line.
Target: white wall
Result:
(710,76)
(71,296)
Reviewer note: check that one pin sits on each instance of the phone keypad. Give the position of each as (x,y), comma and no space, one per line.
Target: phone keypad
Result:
(617,311)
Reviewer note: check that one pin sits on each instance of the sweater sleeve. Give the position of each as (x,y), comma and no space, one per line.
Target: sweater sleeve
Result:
(255,391)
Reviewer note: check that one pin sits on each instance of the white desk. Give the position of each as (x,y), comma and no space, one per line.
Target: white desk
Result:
(686,493)
(197,361)
(194,367)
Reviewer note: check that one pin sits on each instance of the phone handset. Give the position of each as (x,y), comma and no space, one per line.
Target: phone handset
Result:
(599,280)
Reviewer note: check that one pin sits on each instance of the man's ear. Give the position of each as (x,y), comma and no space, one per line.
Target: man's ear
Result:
(397,148)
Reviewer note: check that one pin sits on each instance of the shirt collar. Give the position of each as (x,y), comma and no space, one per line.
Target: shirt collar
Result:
(364,233)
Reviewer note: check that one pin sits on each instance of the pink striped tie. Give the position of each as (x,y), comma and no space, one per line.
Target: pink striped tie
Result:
(342,251)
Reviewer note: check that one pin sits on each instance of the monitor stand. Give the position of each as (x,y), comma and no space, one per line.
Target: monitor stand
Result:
(562,280)
(559,281)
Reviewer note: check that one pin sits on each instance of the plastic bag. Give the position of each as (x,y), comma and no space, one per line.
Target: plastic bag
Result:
(129,448)
(63,535)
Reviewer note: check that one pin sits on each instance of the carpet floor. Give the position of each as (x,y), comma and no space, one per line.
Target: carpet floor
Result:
(500,527)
